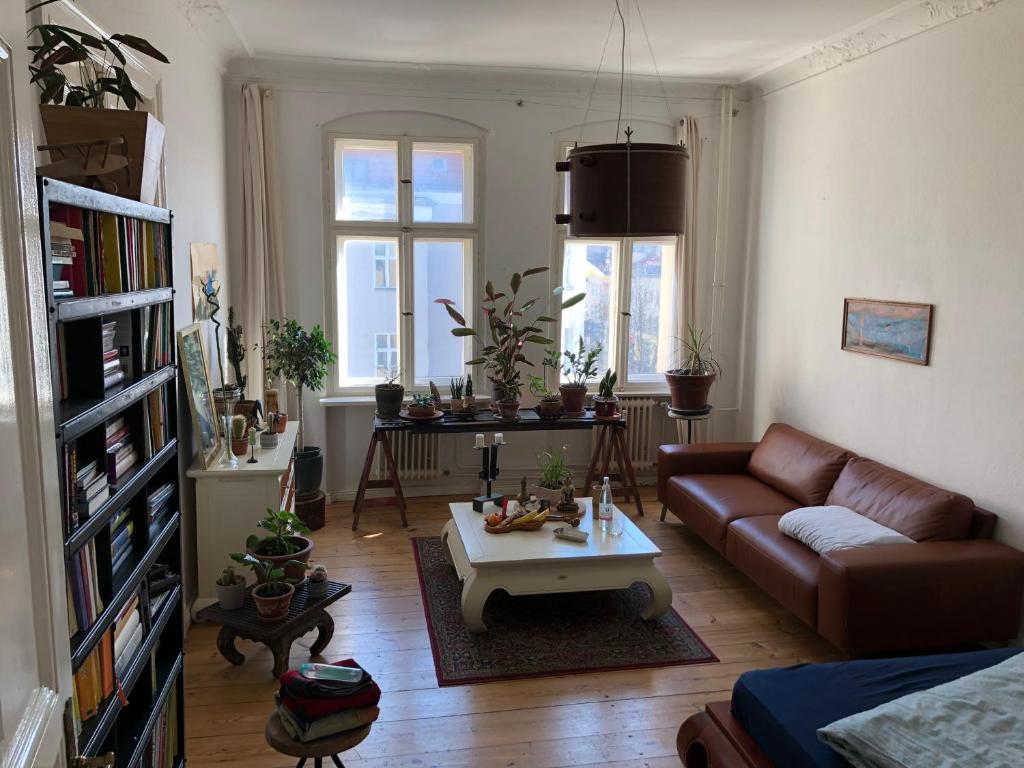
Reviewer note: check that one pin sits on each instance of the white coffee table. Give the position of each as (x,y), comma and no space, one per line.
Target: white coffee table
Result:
(536,563)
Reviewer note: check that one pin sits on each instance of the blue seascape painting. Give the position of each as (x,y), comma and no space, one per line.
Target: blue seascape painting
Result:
(888,329)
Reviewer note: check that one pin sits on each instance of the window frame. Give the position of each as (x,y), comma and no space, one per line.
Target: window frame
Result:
(406,232)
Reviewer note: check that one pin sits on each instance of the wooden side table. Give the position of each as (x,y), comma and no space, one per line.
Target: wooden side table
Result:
(304,615)
(330,746)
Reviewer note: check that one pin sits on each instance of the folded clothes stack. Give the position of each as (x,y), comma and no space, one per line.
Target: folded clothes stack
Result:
(315,709)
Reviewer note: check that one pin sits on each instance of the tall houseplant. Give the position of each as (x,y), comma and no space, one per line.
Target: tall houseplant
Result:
(690,383)
(301,358)
(74,110)
(508,331)
(579,368)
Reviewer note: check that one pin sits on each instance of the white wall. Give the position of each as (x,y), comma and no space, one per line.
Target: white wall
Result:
(898,176)
(519,152)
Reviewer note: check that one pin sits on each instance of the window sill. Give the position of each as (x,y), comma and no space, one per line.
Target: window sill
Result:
(345,401)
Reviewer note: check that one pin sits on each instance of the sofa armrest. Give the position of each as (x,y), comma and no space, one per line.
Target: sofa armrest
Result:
(704,459)
(935,594)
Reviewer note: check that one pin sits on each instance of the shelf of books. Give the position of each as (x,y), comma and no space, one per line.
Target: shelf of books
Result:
(113,363)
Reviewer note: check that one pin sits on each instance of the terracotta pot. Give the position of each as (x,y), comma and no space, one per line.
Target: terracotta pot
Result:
(421,411)
(573,398)
(272,607)
(240,447)
(606,408)
(508,409)
(549,408)
(389,399)
(689,393)
(282,422)
(292,573)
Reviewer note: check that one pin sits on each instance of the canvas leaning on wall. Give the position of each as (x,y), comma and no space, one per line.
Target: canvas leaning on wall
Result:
(896,329)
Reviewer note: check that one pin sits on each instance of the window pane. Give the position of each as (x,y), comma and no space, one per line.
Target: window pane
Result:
(442,182)
(439,272)
(652,309)
(365,180)
(367,317)
(590,266)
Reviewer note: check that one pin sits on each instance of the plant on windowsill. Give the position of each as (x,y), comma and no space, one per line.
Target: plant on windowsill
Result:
(273,593)
(606,404)
(469,399)
(508,331)
(230,590)
(301,358)
(549,404)
(422,406)
(579,368)
(389,396)
(457,386)
(690,383)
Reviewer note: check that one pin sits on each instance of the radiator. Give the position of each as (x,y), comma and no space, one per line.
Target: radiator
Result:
(640,416)
(417,457)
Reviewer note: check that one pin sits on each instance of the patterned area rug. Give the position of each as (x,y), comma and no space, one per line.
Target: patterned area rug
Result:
(545,635)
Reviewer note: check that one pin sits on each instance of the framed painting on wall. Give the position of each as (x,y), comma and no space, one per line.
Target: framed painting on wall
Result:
(200,394)
(896,329)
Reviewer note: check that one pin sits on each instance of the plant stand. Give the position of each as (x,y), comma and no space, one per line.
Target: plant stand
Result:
(379,436)
(310,510)
(611,443)
(318,749)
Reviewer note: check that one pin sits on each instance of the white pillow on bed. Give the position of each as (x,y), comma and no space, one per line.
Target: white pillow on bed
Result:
(826,529)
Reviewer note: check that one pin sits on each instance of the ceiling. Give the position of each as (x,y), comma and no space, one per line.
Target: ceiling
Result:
(718,40)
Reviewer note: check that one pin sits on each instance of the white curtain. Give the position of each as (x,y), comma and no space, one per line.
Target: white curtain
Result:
(262,260)
(686,257)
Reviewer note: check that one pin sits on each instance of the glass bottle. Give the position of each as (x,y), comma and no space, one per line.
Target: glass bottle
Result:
(605,513)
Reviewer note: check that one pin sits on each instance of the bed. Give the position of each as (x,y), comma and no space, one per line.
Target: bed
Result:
(774,714)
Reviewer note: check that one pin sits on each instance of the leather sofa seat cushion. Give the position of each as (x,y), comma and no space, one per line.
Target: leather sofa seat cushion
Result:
(901,502)
(796,464)
(709,503)
(783,567)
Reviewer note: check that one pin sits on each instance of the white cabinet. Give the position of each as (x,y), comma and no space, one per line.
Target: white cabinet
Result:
(229,503)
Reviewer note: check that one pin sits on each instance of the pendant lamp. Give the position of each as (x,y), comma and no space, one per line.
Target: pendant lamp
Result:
(624,189)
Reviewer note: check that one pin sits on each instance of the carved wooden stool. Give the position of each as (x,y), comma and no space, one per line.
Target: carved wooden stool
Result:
(331,746)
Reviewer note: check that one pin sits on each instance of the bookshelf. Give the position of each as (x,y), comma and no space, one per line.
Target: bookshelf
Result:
(110,293)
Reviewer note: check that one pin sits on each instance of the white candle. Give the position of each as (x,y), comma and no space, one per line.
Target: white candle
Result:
(499,438)
(479,441)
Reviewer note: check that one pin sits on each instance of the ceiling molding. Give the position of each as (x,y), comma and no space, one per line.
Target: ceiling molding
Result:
(906,20)
(212,22)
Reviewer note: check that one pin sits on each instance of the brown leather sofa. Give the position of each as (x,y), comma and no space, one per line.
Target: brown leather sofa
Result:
(955,586)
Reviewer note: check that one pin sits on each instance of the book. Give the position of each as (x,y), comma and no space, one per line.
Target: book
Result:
(124,617)
(126,629)
(113,379)
(128,648)
(122,557)
(61,284)
(113,278)
(107,663)
(120,462)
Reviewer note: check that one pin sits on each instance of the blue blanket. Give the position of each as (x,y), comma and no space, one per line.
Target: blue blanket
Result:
(782,709)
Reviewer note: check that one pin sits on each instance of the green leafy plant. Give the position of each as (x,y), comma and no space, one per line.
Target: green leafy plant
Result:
(298,356)
(538,388)
(228,578)
(100,62)
(457,386)
(579,366)
(423,400)
(281,525)
(236,349)
(270,574)
(554,468)
(508,331)
(606,387)
(698,357)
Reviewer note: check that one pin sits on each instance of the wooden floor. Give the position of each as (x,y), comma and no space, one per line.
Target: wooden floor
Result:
(622,719)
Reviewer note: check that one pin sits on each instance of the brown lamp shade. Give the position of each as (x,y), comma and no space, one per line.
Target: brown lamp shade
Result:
(618,190)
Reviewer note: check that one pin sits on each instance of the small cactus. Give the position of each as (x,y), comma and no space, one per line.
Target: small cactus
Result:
(318,574)
(237,426)
(228,577)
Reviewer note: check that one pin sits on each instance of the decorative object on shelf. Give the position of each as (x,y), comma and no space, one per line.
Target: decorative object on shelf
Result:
(456,386)
(200,395)
(690,383)
(284,543)
(73,110)
(898,330)
(272,398)
(272,593)
(509,331)
(553,469)
(236,350)
(301,358)
(469,399)
(231,590)
(239,440)
(225,399)
(389,396)
(624,189)
(269,437)
(549,404)
(252,446)
(579,368)
(606,404)
(422,406)
(318,582)
(567,503)
(435,396)
(489,472)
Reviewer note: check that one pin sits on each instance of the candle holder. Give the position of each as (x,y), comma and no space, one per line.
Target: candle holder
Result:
(488,473)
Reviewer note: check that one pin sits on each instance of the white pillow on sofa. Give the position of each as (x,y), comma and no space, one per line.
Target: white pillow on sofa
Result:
(825,529)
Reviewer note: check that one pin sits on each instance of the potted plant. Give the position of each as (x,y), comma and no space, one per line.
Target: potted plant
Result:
(230,590)
(549,404)
(422,406)
(606,404)
(579,368)
(389,396)
(239,439)
(74,110)
(690,383)
(272,593)
(457,386)
(301,358)
(508,331)
(469,399)
(317,585)
(284,545)
(554,468)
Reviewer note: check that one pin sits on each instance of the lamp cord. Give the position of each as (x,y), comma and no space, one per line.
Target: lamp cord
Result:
(597,75)
(622,68)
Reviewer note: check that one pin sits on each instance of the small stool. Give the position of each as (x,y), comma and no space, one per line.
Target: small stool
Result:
(331,746)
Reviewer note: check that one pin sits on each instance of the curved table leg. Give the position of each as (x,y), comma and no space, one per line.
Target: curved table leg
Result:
(226,646)
(475,592)
(325,631)
(661,593)
(281,650)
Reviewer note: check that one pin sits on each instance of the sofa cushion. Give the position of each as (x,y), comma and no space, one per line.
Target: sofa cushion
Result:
(826,529)
(783,567)
(901,502)
(708,503)
(796,464)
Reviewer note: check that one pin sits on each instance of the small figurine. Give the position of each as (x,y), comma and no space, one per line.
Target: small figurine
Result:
(252,446)
(523,496)
(567,500)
